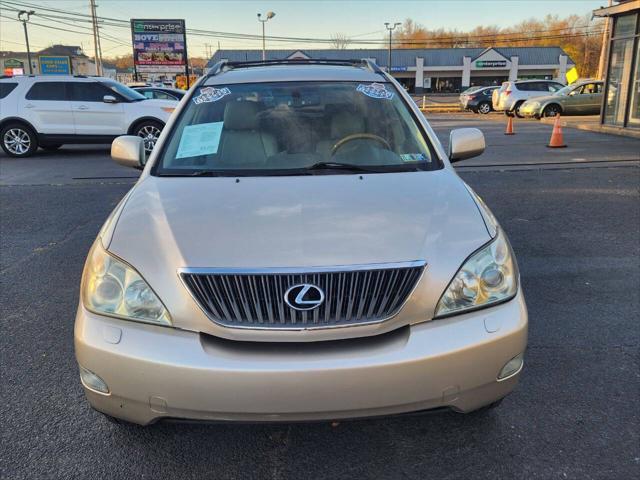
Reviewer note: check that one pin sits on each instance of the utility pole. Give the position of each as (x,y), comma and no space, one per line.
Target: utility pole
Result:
(391,29)
(605,46)
(269,16)
(24,16)
(96,38)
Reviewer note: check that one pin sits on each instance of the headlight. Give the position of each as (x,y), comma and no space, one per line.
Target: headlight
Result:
(489,276)
(111,287)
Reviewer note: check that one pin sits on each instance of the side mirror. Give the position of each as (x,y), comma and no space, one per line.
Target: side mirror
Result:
(109,99)
(128,151)
(465,143)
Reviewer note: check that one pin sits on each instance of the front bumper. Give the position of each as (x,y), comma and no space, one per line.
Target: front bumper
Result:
(529,111)
(154,372)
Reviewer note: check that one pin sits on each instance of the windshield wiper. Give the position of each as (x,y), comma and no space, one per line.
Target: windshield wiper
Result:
(341,166)
(197,173)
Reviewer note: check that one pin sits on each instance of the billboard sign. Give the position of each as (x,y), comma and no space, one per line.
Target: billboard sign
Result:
(159,46)
(51,65)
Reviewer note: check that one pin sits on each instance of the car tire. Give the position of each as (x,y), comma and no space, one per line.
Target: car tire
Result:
(149,131)
(484,108)
(551,110)
(51,147)
(516,110)
(18,140)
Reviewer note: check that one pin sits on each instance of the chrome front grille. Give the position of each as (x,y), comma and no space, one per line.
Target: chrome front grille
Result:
(255,298)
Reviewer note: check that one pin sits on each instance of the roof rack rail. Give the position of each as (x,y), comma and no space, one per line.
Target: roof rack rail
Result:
(225,65)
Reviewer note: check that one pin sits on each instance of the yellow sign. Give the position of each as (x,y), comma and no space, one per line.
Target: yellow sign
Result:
(572,75)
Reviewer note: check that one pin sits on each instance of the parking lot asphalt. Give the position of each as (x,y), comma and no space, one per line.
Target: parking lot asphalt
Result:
(575,228)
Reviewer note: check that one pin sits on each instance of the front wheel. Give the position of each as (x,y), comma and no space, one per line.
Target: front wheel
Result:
(484,108)
(149,131)
(551,110)
(18,140)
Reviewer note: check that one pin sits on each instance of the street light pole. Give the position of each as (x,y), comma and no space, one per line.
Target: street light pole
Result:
(391,28)
(24,16)
(269,16)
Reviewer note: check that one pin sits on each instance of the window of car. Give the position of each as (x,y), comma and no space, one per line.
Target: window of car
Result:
(284,128)
(6,88)
(163,96)
(591,88)
(553,87)
(526,87)
(89,92)
(55,91)
(146,93)
(129,94)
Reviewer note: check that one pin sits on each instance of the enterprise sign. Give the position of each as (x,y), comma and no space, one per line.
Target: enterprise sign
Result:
(491,63)
(159,45)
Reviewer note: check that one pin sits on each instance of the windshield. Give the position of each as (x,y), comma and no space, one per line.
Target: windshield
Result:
(294,128)
(128,93)
(565,90)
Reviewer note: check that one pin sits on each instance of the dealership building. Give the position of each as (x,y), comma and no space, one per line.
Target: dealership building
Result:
(437,69)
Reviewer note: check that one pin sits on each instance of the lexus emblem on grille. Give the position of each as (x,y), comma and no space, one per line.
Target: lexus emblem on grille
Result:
(304,297)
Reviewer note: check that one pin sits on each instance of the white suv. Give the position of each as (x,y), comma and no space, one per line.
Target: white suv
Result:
(49,111)
(511,95)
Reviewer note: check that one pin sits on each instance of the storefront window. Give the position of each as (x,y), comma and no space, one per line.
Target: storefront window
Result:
(625,26)
(634,108)
(620,62)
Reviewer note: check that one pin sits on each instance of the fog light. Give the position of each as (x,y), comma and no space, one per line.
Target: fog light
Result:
(92,381)
(512,367)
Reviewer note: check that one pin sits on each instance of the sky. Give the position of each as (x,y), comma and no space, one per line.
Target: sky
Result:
(361,19)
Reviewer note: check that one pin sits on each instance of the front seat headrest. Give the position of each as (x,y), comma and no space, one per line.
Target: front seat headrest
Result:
(241,116)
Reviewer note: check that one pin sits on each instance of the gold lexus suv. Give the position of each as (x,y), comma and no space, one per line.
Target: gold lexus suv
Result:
(298,247)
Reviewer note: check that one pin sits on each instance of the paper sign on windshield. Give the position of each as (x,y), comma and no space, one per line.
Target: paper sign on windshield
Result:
(202,139)
(210,94)
(375,90)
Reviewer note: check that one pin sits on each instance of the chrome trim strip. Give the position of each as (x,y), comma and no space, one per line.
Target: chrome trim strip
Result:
(294,270)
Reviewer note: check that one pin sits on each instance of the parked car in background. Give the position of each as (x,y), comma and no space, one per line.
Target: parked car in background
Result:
(161,93)
(465,93)
(511,95)
(51,110)
(580,98)
(479,101)
(299,247)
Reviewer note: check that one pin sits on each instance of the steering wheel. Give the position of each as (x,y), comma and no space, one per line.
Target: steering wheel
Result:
(359,136)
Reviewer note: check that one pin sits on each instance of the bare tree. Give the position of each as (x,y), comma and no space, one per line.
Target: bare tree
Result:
(340,41)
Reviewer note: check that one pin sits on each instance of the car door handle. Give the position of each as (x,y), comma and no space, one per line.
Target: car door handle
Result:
(83,107)
(29,105)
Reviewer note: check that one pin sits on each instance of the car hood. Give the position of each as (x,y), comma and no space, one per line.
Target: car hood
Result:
(297,221)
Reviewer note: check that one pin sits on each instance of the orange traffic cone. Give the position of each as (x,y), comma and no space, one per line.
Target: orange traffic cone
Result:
(556,140)
(509,130)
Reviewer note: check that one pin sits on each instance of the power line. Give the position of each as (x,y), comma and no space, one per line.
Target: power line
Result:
(461,38)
